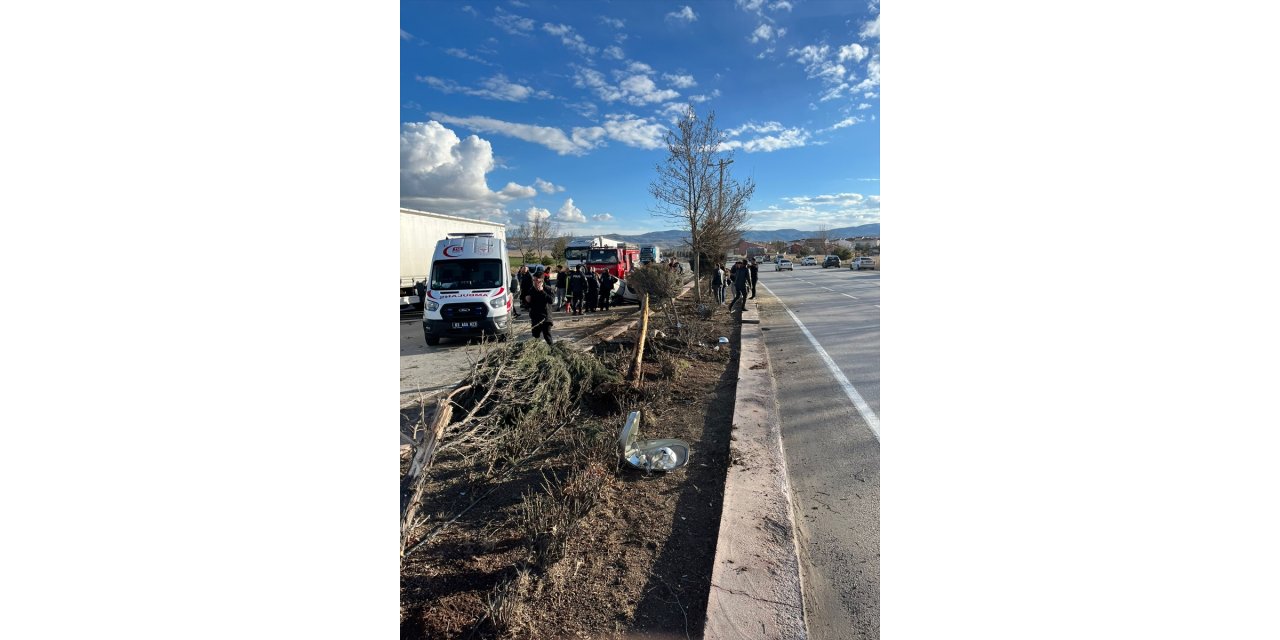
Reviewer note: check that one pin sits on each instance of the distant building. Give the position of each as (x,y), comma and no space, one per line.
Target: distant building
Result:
(750,249)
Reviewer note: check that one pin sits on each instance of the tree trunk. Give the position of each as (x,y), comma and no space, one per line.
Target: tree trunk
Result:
(637,367)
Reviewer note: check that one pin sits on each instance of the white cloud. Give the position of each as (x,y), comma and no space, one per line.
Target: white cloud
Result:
(467,55)
(641,90)
(762,32)
(847,122)
(686,14)
(778,6)
(514,191)
(613,22)
(784,138)
(870,94)
(632,131)
(807,212)
(680,81)
(628,129)
(673,110)
(570,213)
(639,67)
(873,75)
(853,51)
(870,29)
(405,35)
(614,52)
(549,137)
(864,106)
(569,38)
(834,92)
(602,217)
(698,99)
(817,65)
(750,5)
(440,172)
(512,23)
(546,187)
(496,88)
(751,127)
(534,214)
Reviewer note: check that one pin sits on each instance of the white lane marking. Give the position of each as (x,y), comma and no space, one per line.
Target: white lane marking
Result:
(868,416)
(849,296)
(877,306)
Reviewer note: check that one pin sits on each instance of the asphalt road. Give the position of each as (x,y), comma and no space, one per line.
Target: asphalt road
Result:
(830,432)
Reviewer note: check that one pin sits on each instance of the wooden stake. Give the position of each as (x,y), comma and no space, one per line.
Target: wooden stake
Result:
(637,368)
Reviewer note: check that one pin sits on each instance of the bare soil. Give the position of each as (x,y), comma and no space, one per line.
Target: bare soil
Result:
(633,559)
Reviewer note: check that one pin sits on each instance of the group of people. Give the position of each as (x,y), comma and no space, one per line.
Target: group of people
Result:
(580,291)
(743,275)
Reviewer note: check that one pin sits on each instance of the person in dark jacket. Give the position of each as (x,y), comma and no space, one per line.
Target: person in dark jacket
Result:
(741,276)
(593,291)
(562,286)
(539,303)
(755,275)
(607,280)
(526,283)
(577,290)
(717,283)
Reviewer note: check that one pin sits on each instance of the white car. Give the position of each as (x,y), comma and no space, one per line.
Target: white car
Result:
(783,264)
(808,262)
(862,263)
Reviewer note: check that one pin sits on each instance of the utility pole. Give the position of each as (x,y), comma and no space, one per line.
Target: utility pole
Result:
(720,199)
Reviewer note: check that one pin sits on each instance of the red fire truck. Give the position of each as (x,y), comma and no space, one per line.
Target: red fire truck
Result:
(618,260)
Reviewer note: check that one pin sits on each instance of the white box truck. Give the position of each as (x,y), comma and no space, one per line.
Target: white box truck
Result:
(419,233)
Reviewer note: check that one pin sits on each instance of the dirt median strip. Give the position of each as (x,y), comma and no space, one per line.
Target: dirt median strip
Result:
(755,580)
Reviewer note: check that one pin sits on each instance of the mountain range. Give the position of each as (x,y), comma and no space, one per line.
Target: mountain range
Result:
(672,237)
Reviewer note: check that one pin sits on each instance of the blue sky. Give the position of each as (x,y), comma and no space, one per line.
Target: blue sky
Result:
(519,109)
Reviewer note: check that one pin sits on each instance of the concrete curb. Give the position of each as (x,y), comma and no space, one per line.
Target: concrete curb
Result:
(756,590)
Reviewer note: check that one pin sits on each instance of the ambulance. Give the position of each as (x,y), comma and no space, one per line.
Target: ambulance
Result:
(467,295)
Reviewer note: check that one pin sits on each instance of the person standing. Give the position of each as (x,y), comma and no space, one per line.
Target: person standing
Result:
(755,275)
(577,290)
(539,305)
(740,279)
(562,285)
(717,283)
(593,291)
(607,280)
(526,283)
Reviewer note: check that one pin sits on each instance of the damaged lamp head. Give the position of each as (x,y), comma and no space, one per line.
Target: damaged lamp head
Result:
(664,454)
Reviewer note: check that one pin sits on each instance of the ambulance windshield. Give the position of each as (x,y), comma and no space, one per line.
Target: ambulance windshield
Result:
(466,274)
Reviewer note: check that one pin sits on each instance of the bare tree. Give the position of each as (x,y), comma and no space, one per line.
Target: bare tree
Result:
(688,188)
(541,233)
(823,233)
(520,240)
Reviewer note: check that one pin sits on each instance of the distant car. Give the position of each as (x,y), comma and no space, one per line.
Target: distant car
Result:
(862,263)
(783,265)
(831,261)
(808,262)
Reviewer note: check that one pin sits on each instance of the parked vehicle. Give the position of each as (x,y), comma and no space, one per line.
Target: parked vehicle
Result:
(419,233)
(808,261)
(650,253)
(831,261)
(864,262)
(783,265)
(467,295)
